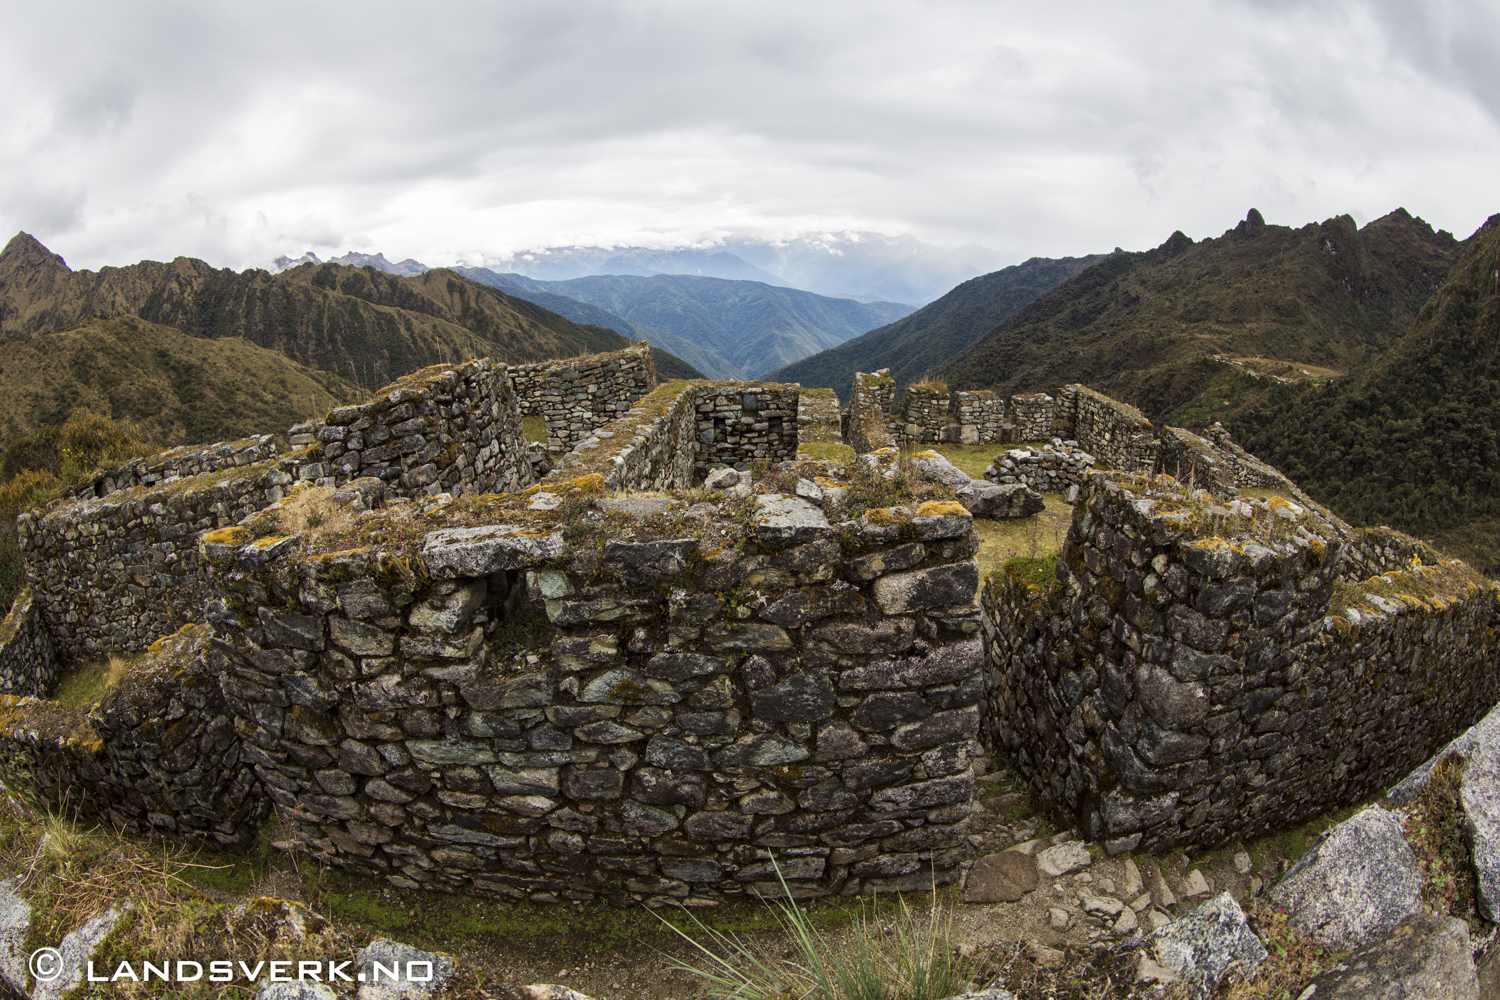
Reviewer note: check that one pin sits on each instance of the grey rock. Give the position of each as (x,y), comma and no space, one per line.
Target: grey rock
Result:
(1480,792)
(990,994)
(1172,703)
(721,479)
(934,468)
(747,637)
(1000,502)
(447,613)
(295,991)
(943,727)
(940,586)
(1355,884)
(947,664)
(420,974)
(624,686)
(1064,859)
(784,520)
(642,562)
(805,697)
(1204,945)
(1426,955)
(466,552)
(637,507)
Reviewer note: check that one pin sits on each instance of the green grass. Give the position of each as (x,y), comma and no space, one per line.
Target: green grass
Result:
(83,684)
(534,429)
(826,451)
(1032,538)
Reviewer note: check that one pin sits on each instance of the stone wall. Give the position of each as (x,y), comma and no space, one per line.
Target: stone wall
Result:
(1201,673)
(116,573)
(28,663)
(682,707)
(925,407)
(1115,433)
(177,463)
(818,416)
(1048,469)
(682,429)
(1215,463)
(1030,417)
(578,396)
(443,429)
(740,423)
(980,416)
(870,401)
(653,447)
(159,754)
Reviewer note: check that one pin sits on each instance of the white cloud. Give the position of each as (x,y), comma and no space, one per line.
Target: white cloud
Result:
(471,130)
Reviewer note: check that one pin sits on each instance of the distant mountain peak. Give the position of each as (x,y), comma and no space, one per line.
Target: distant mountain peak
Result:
(24,248)
(406,268)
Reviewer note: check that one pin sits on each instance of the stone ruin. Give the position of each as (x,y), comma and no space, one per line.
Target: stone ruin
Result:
(617,683)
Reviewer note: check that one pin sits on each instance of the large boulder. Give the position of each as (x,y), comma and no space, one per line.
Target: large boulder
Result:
(1355,884)
(1000,502)
(1427,955)
(1480,793)
(936,469)
(1203,946)
(1001,878)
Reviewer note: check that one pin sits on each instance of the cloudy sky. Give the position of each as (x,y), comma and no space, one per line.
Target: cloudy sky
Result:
(467,131)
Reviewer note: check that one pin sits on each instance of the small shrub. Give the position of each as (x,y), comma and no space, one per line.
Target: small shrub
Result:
(1292,959)
(1039,571)
(1435,828)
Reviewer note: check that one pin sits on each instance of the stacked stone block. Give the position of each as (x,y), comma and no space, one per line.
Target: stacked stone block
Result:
(1185,687)
(581,395)
(818,416)
(653,447)
(1115,433)
(159,754)
(178,463)
(925,412)
(869,412)
(811,696)
(1048,469)
(29,666)
(441,430)
(116,573)
(1030,416)
(980,416)
(741,423)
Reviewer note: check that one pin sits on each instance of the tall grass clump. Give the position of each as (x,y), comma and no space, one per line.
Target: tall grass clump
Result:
(899,958)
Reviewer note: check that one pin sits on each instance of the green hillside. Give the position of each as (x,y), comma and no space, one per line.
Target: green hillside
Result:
(755,328)
(174,388)
(705,360)
(1144,327)
(366,326)
(934,335)
(1414,439)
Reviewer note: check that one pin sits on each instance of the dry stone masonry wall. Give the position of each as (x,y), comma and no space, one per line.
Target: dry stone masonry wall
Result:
(1200,673)
(158,755)
(1048,469)
(178,463)
(579,396)
(1030,417)
(812,691)
(869,412)
(980,416)
(1115,433)
(925,408)
(29,666)
(441,430)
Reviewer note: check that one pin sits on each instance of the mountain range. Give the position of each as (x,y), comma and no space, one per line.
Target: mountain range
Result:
(313,335)
(868,267)
(929,338)
(727,329)
(1164,328)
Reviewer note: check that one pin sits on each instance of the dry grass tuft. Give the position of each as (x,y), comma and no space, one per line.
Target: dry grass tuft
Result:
(312,509)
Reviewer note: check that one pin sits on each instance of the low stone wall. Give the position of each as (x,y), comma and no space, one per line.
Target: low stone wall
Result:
(869,409)
(741,423)
(652,447)
(28,664)
(578,396)
(178,463)
(818,416)
(1031,417)
(116,573)
(1047,469)
(1216,463)
(925,412)
(1200,673)
(682,707)
(159,754)
(304,435)
(1115,433)
(443,429)
(980,416)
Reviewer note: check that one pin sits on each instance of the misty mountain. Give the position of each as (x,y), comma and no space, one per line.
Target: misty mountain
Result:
(934,335)
(406,268)
(753,327)
(1177,330)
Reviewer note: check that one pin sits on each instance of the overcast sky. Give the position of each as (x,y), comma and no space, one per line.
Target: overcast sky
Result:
(466,131)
